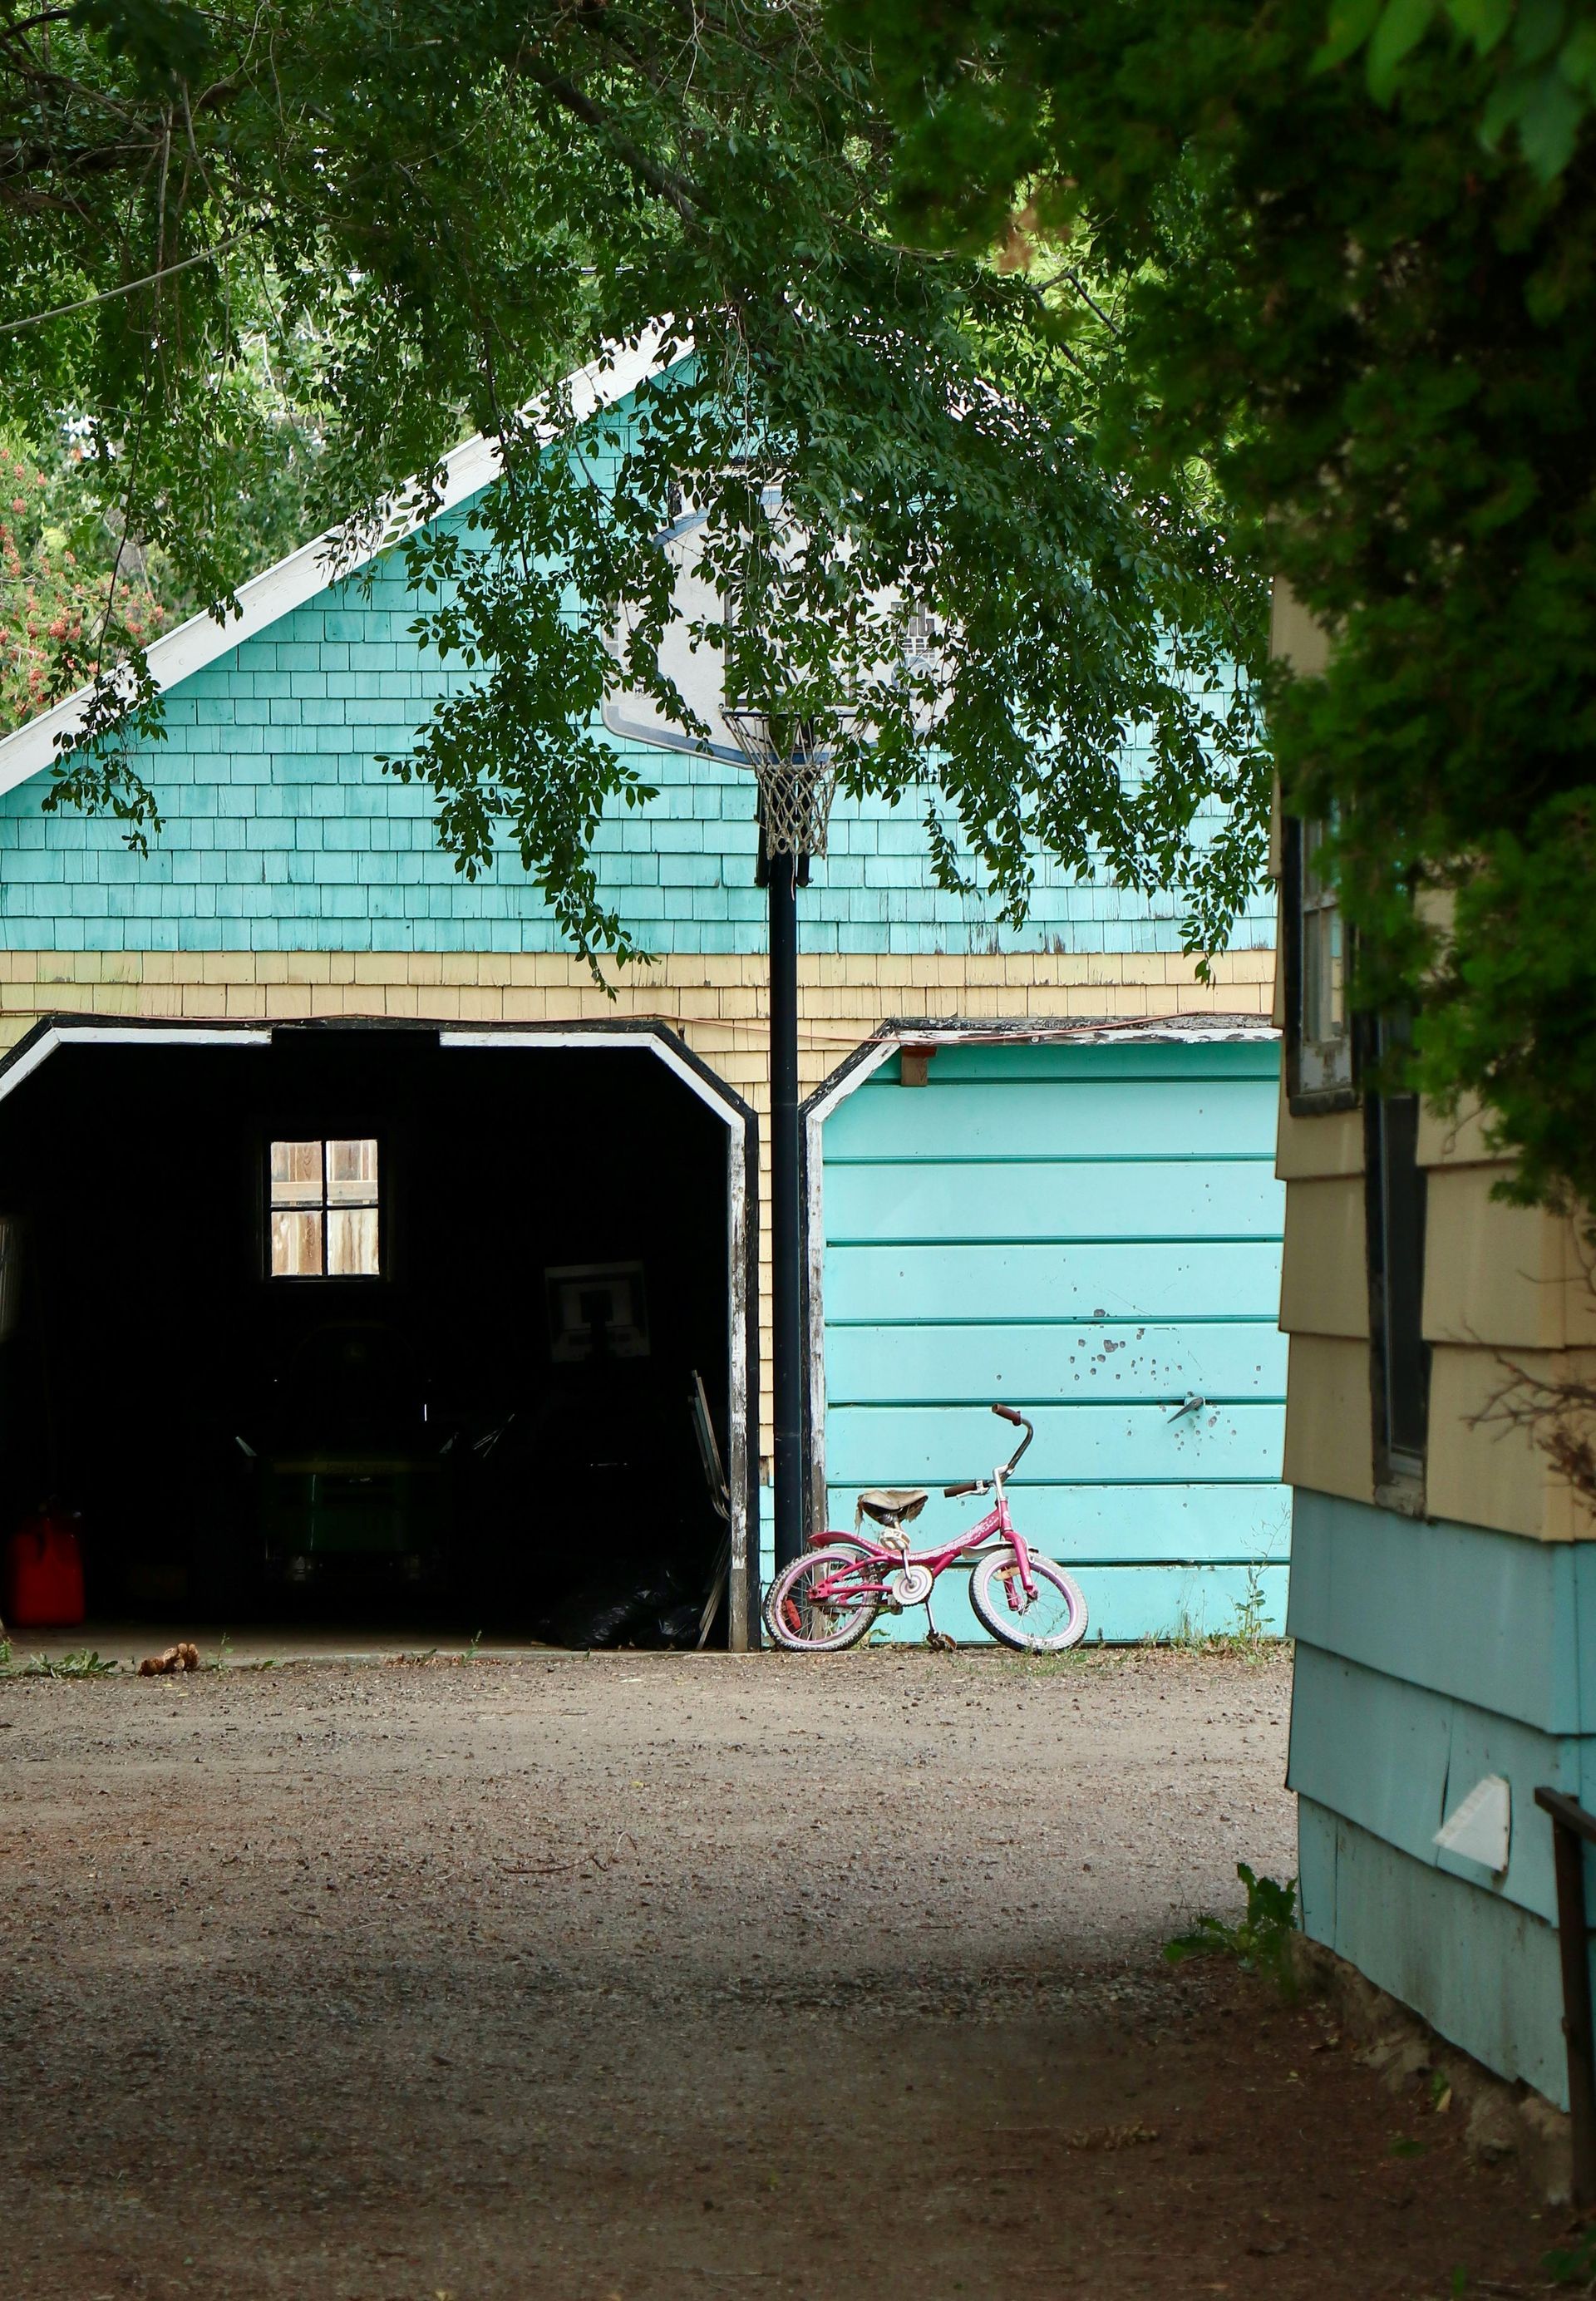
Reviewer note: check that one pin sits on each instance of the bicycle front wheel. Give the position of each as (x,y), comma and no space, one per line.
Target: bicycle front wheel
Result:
(825,1601)
(1047,1619)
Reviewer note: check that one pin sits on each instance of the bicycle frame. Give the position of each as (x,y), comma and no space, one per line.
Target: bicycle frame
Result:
(962,1552)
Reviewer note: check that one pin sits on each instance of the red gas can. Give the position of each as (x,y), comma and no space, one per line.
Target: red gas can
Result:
(44,1575)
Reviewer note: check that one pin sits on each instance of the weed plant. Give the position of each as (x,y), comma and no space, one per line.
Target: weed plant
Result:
(1574,2265)
(1260,1943)
(83,1661)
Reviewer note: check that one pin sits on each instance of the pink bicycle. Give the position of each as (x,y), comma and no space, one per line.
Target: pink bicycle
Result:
(828,1598)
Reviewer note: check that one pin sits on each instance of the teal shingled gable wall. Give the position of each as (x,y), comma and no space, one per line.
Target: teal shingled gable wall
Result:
(282,835)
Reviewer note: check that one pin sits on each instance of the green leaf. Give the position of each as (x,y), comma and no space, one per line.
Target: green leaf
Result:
(1537,29)
(1402,26)
(1483,22)
(1548,124)
(1576,61)
(163,39)
(1350,23)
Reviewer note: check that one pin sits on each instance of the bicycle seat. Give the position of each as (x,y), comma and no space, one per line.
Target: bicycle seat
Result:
(893,1506)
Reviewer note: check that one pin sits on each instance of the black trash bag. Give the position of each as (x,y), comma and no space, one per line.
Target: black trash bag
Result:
(679,1625)
(640,1605)
(605,1614)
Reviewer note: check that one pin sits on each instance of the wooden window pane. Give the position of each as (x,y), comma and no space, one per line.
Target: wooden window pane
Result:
(352,1173)
(296,1243)
(352,1242)
(295,1173)
(1323,988)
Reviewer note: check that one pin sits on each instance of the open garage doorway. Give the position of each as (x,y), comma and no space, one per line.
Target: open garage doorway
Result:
(379,1327)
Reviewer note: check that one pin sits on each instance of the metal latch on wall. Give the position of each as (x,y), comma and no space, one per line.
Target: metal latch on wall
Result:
(1193,1403)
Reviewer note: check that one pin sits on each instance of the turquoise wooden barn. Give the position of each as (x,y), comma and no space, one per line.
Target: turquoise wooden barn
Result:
(408,1244)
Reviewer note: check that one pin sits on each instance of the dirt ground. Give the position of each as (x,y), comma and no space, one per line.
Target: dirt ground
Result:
(646,1976)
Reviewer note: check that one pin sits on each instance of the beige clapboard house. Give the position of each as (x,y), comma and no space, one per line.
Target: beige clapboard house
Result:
(1444,1591)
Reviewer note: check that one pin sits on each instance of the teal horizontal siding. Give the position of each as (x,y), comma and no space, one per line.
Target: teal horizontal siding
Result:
(953,1120)
(1124,1604)
(1135,1445)
(1082,1525)
(1091,1234)
(888,1285)
(954,1363)
(1430,1654)
(1056,1199)
(1396,1759)
(1491,1618)
(1482,1970)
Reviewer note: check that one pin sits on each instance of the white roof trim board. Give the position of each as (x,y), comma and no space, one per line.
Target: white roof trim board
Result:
(267,597)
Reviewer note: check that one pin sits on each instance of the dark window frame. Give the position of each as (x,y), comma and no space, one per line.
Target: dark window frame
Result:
(1396,1194)
(1313,1100)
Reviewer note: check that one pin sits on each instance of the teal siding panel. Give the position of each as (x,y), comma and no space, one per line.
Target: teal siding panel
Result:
(1580,1632)
(1139,1117)
(1123,1282)
(895,1445)
(1428,1655)
(1084,1361)
(1056,1199)
(1482,1970)
(1091,1234)
(1124,1604)
(1396,1759)
(1083,1525)
(1316,1834)
(1489,1618)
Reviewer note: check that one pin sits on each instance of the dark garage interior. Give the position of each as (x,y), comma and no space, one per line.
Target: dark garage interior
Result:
(358,1328)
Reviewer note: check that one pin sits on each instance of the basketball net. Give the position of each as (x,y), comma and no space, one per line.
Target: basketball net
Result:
(796,783)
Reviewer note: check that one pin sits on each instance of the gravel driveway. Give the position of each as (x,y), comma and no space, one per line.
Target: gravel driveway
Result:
(640,1976)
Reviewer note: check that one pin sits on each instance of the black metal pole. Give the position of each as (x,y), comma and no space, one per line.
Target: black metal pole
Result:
(1571,1829)
(786,1220)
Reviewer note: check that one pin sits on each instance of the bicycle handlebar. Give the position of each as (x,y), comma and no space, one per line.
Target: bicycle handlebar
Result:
(1013,1414)
(980,1485)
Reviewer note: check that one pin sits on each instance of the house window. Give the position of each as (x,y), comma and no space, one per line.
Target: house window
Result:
(1396,1214)
(324,1209)
(921,641)
(1320,1053)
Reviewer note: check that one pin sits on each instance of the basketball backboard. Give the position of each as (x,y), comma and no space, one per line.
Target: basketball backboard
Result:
(698,672)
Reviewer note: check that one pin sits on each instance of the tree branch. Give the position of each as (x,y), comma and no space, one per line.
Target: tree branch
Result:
(688,201)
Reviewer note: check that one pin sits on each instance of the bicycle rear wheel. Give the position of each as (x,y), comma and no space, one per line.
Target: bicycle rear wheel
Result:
(823,1601)
(1048,1620)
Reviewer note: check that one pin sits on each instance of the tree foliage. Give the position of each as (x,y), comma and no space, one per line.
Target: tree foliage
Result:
(1382,332)
(419,218)
(1542,54)
(62,585)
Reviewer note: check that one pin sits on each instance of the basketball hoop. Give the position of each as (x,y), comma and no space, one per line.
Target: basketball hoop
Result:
(796,779)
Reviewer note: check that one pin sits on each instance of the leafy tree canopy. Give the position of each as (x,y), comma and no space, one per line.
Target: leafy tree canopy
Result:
(1373,313)
(415,219)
